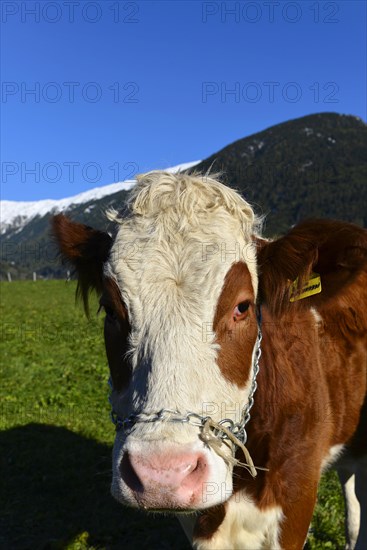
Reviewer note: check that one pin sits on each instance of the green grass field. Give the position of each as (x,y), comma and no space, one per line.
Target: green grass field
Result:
(56,436)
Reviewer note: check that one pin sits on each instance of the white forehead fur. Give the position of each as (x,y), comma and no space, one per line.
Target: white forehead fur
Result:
(170,257)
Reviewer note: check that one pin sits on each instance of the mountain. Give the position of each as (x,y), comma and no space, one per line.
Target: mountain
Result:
(314,166)
(16,214)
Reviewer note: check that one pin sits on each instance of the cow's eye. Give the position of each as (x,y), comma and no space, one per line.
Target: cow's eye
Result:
(240,310)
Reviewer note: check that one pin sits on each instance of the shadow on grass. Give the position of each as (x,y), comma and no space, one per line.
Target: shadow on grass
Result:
(55,486)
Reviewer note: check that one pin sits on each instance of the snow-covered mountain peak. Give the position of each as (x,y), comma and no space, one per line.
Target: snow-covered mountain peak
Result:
(16,214)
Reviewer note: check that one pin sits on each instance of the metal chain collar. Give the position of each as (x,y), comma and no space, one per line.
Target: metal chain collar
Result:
(238,429)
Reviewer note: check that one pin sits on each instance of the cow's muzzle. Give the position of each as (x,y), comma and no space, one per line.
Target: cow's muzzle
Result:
(169,480)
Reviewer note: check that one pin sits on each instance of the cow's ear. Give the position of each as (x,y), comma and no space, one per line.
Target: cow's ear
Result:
(337,251)
(86,249)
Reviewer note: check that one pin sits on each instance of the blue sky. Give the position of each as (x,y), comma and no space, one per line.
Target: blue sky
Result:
(124,87)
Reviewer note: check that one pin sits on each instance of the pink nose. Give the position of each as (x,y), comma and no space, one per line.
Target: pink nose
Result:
(165,480)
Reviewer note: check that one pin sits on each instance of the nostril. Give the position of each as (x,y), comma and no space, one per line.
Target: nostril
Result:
(197,466)
(129,475)
(196,475)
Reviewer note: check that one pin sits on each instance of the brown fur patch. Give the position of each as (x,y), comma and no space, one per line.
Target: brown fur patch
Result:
(116,334)
(86,249)
(236,337)
(336,250)
(209,521)
(312,380)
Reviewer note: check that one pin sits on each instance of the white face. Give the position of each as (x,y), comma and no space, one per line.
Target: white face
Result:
(179,348)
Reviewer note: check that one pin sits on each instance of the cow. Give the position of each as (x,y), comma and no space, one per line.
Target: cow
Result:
(237,363)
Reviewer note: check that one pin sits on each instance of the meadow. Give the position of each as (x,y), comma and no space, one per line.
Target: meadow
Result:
(56,436)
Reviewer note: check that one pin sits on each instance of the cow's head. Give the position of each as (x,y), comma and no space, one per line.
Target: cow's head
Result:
(179,286)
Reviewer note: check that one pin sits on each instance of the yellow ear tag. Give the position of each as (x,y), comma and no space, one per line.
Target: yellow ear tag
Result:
(313,286)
